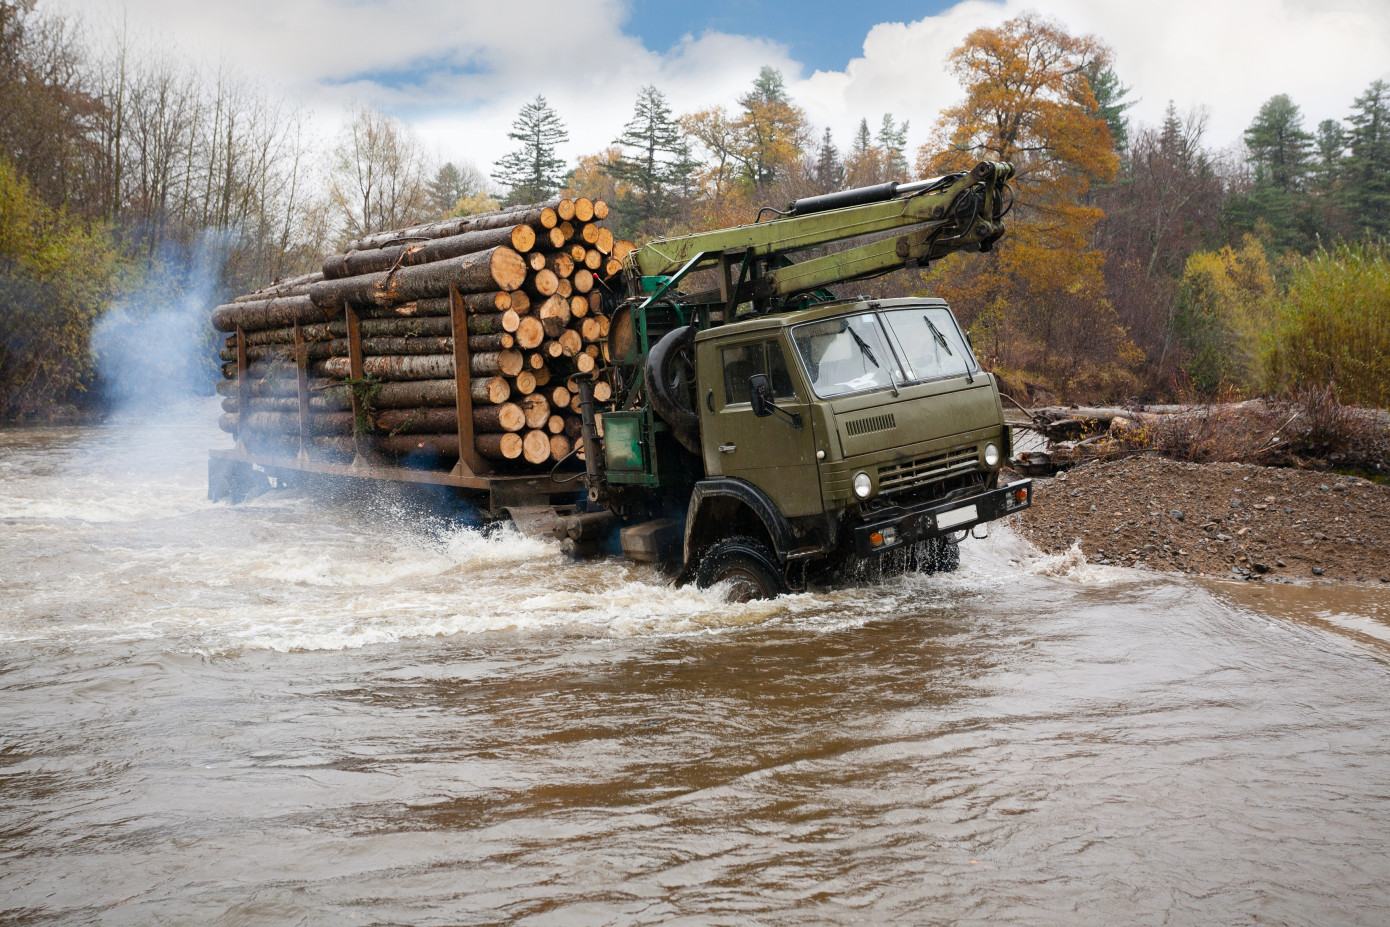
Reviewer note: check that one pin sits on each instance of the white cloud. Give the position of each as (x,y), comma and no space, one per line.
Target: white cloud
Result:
(458,70)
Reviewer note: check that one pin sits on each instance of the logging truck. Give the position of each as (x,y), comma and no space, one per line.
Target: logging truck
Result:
(733,418)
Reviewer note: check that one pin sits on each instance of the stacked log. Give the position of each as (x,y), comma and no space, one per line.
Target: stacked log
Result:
(365,356)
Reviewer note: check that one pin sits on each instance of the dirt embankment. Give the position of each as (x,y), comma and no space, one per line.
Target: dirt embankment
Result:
(1214,519)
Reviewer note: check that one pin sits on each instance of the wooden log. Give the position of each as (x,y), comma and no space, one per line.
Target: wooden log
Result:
(554,315)
(600,209)
(537,409)
(593,259)
(560,263)
(574,426)
(521,238)
(495,324)
(553,350)
(490,342)
(590,330)
(542,283)
(420,447)
(272,313)
(612,267)
(577,252)
(574,405)
(429,420)
(540,215)
(505,445)
(603,391)
(535,361)
(535,448)
(570,342)
(550,238)
(622,248)
(506,416)
(582,279)
(526,382)
(560,397)
(484,390)
(542,376)
(287,422)
(579,306)
(584,363)
(292,286)
(535,261)
(566,229)
(596,306)
(498,268)
(521,303)
(560,447)
(493,363)
(565,209)
(530,333)
(565,288)
(584,209)
(605,241)
(588,233)
(325,403)
(396,367)
(555,425)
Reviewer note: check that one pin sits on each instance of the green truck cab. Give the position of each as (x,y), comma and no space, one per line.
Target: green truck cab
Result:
(840,437)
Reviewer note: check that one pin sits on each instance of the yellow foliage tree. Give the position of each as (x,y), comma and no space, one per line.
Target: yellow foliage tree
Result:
(1223,299)
(1040,304)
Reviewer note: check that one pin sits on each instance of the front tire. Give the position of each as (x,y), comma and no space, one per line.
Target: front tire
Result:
(747,565)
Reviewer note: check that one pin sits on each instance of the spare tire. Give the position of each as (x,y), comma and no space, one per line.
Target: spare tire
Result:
(670,374)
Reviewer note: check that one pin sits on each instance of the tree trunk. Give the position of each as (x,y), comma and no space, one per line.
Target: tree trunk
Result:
(271,313)
(490,363)
(582,279)
(537,409)
(506,416)
(541,216)
(505,445)
(559,447)
(529,333)
(498,268)
(487,389)
(432,420)
(521,238)
(535,447)
(526,382)
(496,324)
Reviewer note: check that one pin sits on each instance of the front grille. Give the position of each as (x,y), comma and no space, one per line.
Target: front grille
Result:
(866,426)
(909,474)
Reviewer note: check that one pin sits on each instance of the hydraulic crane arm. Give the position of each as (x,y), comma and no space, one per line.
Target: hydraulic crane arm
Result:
(931,219)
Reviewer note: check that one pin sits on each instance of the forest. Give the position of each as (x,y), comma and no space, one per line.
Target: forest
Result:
(137,190)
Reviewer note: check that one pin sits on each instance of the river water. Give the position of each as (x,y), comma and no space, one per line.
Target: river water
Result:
(358,712)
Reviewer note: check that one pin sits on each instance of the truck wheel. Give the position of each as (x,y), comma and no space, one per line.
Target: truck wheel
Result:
(747,565)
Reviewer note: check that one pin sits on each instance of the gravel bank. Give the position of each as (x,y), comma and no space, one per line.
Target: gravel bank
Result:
(1211,519)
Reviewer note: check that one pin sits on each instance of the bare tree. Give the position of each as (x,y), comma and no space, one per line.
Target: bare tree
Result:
(378,175)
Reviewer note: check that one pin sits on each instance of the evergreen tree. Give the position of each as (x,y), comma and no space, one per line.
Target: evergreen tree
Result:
(1111,103)
(661,158)
(830,171)
(772,131)
(451,184)
(533,172)
(1280,155)
(863,141)
(1279,147)
(769,87)
(1330,142)
(893,140)
(1368,171)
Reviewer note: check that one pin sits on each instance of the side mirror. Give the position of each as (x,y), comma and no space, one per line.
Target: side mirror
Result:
(760,395)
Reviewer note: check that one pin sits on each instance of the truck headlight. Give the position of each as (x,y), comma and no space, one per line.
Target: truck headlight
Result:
(991,455)
(863,485)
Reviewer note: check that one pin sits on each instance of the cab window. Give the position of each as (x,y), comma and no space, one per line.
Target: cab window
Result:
(745,360)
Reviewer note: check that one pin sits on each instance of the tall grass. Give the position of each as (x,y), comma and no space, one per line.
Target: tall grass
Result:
(1332,325)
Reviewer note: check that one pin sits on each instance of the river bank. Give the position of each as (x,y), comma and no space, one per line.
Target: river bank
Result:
(1260,523)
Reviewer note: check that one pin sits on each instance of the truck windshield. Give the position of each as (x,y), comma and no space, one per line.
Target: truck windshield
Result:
(931,342)
(846,355)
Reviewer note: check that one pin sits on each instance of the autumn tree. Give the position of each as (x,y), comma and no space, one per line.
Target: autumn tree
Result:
(772,131)
(534,171)
(1041,303)
(866,164)
(378,175)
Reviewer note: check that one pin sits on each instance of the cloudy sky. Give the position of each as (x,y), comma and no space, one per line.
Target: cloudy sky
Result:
(457,70)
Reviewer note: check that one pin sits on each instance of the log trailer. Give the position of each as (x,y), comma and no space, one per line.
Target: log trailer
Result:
(761,431)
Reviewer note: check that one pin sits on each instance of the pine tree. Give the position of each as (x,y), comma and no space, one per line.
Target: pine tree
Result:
(893,140)
(533,172)
(1280,154)
(661,158)
(830,171)
(451,184)
(1111,103)
(771,131)
(1369,168)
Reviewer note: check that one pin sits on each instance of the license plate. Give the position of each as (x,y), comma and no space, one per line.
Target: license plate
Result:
(956,517)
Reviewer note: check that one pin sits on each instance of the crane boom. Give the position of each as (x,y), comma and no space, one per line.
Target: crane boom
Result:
(900,224)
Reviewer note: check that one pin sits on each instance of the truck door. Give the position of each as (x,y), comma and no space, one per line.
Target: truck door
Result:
(767,452)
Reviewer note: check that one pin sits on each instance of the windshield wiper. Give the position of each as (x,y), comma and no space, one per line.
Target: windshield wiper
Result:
(940,338)
(863,346)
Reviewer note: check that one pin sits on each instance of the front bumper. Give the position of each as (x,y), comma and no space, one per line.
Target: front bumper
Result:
(894,527)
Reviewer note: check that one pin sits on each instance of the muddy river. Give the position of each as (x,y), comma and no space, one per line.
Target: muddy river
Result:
(363,712)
